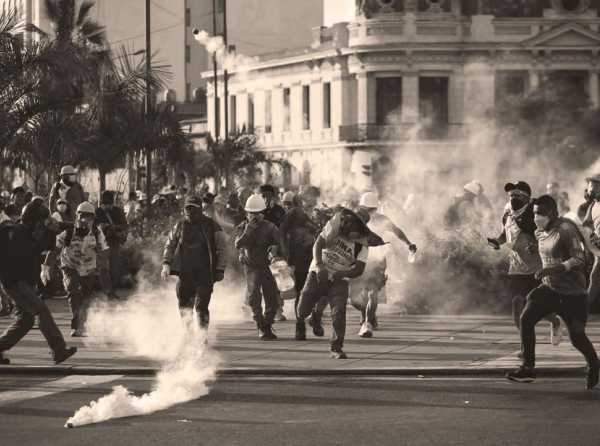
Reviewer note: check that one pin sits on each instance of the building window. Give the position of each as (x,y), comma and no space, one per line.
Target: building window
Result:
(188,92)
(250,113)
(188,54)
(220,6)
(286,110)
(233,113)
(327,105)
(433,106)
(389,101)
(268,117)
(188,17)
(509,85)
(305,107)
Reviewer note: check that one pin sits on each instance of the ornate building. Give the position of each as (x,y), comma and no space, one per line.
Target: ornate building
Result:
(436,66)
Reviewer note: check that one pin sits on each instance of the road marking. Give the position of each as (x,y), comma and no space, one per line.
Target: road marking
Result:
(55,386)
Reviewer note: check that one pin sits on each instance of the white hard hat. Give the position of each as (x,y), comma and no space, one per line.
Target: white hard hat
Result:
(255,203)
(67,170)
(86,208)
(369,200)
(288,196)
(142,196)
(474,187)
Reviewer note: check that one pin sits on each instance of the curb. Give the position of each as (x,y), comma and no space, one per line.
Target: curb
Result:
(280,372)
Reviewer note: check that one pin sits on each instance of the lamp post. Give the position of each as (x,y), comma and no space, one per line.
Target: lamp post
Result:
(148,106)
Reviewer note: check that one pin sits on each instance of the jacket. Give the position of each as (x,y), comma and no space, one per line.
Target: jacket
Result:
(114,225)
(253,242)
(215,241)
(73,194)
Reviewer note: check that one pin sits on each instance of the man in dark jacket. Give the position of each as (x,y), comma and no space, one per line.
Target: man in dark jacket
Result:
(195,252)
(21,248)
(111,219)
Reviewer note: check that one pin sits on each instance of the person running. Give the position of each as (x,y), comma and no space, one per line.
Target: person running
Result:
(563,290)
(518,233)
(22,245)
(366,293)
(67,188)
(82,251)
(257,241)
(339,254)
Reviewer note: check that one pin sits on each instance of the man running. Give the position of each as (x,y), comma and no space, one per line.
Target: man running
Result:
(563,289)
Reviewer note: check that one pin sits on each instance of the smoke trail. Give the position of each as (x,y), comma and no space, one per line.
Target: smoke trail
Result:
(150,326)
(226,59)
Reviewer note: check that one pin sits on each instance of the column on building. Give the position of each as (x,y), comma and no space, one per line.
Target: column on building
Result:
(259,109)
(242,109)
(410,98)
(594,89)
(342,102)
(534,80)
(296,108)
(366,98)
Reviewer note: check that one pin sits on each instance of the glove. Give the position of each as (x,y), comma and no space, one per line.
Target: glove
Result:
(551,270)
(166,271)
(493,243)
(412,248)
(219,275)
(45,275)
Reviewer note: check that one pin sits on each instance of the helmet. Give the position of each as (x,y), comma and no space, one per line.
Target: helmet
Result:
(288,196)
(474,187)
(193,201)
(86,208)
(255,203)
(369,200)
(67,170)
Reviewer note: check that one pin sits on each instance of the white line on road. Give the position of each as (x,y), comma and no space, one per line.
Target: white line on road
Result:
(55,386)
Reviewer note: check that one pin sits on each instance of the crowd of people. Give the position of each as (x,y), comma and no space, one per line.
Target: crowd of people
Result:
(553,256)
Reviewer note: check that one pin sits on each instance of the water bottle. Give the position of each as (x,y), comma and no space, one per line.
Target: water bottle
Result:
(412,256)
(282,274)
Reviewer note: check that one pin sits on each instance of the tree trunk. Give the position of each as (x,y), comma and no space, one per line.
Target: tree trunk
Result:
(102,180)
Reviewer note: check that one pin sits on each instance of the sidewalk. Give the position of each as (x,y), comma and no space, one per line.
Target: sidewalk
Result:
(404,345)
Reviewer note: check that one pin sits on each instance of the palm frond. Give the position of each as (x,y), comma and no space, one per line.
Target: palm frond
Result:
(83,13)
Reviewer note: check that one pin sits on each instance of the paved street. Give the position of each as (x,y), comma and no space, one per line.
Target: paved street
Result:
(323,411)
(403,342)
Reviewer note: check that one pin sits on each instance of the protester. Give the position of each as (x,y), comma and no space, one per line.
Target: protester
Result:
(257,240)
(366,290)
(195,252)
(18,198)
(591,220)
(69,189)
(563,289)
(468,209)
(82,250)
(524,259)
(113,222)
(19,273)
(340,253)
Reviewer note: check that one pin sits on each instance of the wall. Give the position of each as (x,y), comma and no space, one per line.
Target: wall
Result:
(335,11)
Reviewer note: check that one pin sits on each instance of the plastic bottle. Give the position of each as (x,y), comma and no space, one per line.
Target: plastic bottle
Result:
(412,256)
(282,274)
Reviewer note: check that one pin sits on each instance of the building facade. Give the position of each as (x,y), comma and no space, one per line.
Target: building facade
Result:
(398,70)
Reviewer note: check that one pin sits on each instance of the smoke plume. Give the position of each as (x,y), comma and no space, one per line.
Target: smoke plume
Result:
(149,325)
(228,60)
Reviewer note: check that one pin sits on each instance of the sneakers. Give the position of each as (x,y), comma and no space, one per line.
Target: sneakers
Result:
(592,375)
(3,360)
(265,333)
(522,375)
(556,334)
(366,330)
(316,325)
(300,331)
(279,316)
(63,355)
(338,354)
(77,333)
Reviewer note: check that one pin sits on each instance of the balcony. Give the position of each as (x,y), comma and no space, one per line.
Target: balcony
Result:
(403,132)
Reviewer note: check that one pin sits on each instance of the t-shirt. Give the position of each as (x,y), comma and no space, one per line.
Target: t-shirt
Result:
(340,254)
(81,253)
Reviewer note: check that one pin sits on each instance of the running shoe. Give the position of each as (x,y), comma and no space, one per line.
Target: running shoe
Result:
(366,330)
(592,375)
(316,325)
(64,354)
(268,334)
(338,354)
(3,360)
(300,334)
(522,375)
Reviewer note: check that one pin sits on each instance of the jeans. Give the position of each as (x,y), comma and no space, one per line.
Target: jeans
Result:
(28,305)
(336,293)
(79,292)
(194,295)
(260,285)
(572,309)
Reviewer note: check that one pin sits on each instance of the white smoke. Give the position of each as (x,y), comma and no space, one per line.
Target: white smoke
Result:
(149,325)
(228,60)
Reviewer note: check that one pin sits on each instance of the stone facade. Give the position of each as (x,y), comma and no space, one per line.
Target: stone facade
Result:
(402,68)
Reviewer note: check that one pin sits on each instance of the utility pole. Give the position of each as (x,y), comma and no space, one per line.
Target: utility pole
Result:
(148,106)
(225,87)
(215,76)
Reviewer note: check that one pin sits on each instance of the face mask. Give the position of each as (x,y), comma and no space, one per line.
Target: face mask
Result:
(541,221)
(61,207)
(516,203)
